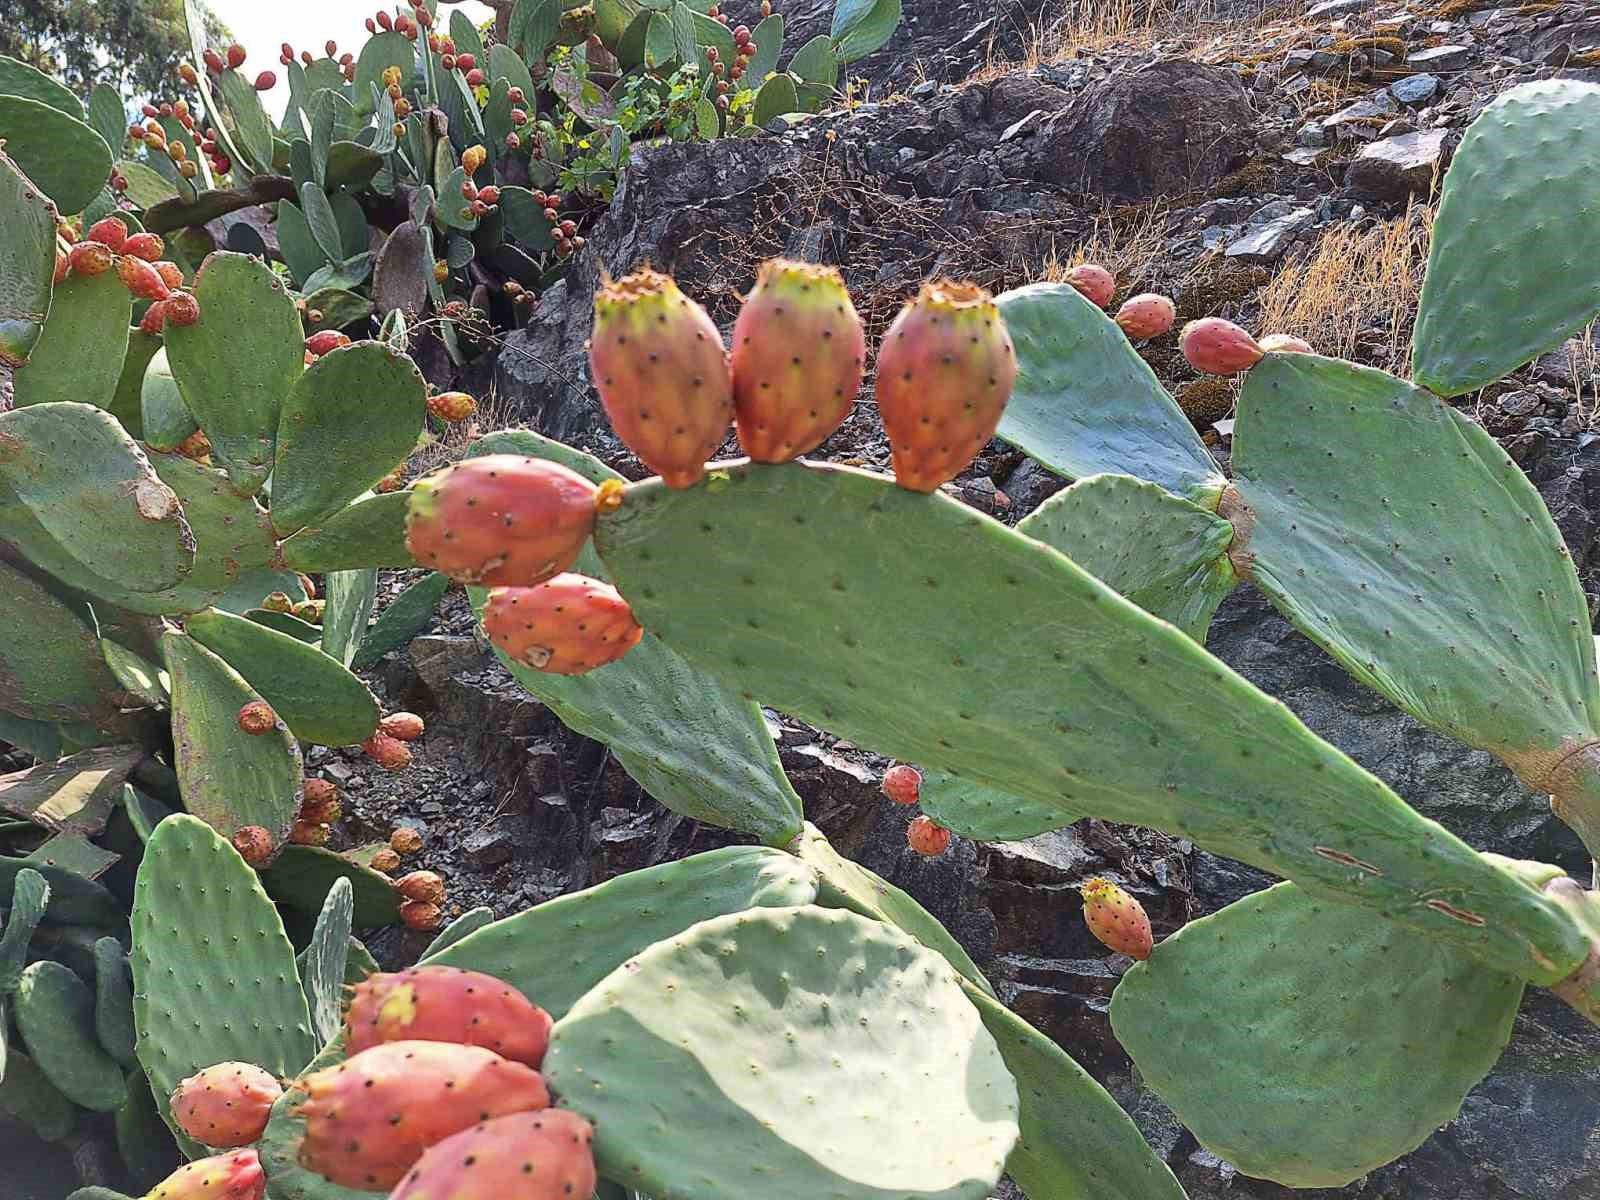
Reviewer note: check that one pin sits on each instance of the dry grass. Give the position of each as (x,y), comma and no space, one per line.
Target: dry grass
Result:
(1127,242)
(1354,296)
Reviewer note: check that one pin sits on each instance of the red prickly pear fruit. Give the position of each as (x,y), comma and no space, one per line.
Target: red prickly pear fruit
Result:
(1147,315)
(188,74)
(236,1175)
(466,61)
(490,195)
(474,77)
(426,887)
(369,1118)
(902,784)
(662,373)
(225,1105)
(171,273)
(945,370)
(798,353)
(1116,918)
(517,97)
(405,841)
(182,308)
(502,519)
(406,726)
(419,914)
(254,844)
(305,833)
(389,753)
(926,836)
(257,717)
(236,56)
(266,81)
(1214,346)
(108,231)
(452,406)
(154,317)
(147,246)
(1285,343)
(331,47)
(91,258)
(385,21)
(1094,282)
(567,626)
(63,265)
(326,340)
(532,1156)
(320,805)
(142,279)
(213,61)
(446,1004)
(383,861)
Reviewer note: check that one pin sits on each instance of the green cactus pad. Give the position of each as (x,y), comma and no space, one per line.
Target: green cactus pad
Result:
(143,1139)
(693,744)
(25,909)
(1510,273)
(468,922)
(113,1002)
(987,814)
(279,1146)
(166,419)
(406,616)
(27,1095)
(302,876)
(234,995)
(322,965)
(246,119)
(246,316)
(55,1012)
(127,400)
(1305,1007)
(74,900)
(351,595)
(230,778)
(369,533)
(27,262)
(20,79)
(51,668)
(317,699)
(1085,403)
(844,884)
(141,677)
(787,1053)
(79,356)
(1395,532)
(301,631)
(746,575)
(378,54)
(1076,1142)
(556,951)
(353,415)
(67,160)
(88,486)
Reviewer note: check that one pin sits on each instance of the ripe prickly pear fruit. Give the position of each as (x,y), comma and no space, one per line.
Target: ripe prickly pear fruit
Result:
(1147,315)
(1214,346)
(369,1118)
(902,784)
(452,406)
(1285,343)
(171,273)
(155,317)
(405,840)
(108,231)
(408,727)
(257,717)
(945,371)
(927,836)
(254,844)
(236,56)
(662,374)
(383,861)
(473,158)
(389,753)
(320,805)
(566,626)
(266,81)
(307,833)
(91,258)
(798,353)
(324,340)
(446,1004)
(147,246)
(213,61)
(63,265)
(1116,918)
(225,1105)
(142,279)
(420,914)
(502,519)
(233,1176)
(426,887)
(1094,282)
(531,1156)
(181,308)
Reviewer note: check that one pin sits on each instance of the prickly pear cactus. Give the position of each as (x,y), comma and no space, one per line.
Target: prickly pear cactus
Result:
(27,261)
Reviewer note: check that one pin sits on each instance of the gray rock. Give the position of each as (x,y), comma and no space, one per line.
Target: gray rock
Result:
(1440,58)
(1415,89)
(1379,104)
(1338,8)
(1395,167)
(1267,242)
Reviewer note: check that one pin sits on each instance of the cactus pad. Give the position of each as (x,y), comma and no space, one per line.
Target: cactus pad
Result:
(27,262)
(55,1012)
(29,898)
(79,355)
(746,575)
(369,533)
(67,160)
(302,877)
(402,619)
(51,668)
(113,1003)
(1510,272)
(322,965)
(787,1053)
(351,595)
(1085,403)
(164,416)
(1305,1007)
(27,1095)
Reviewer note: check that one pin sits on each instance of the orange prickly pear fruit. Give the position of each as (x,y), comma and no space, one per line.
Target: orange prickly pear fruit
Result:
(1116,918)
(142,279)
(108,231)
(532,1156)
(1285,343)
(326,340)
(405,841)
(181,308)
(1146,316)
(945,371)
(798,353)
(389,753)
(452,406)
(225,1105)
(926,836)
(902,784)
(408,727)
(321,804)
(254,844)
(662,374)
(1214,346)
(91,258)
(257,717)
(445,1004)
(384,861)
(305,833)
(236,1175)
(155,317)
(426,887)
(568,625)
(1094,282)
(147,246)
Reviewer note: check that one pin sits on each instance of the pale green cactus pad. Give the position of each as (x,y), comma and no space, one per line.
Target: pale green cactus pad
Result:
(1077,1143)
(164,417)
(322,964)
(1127,719)
(246,316)
(55,1012)
(127,400)
(79,355)
(67,160)
(1511,270)
(468,922)
(237,996)
(51,668)
(369,533)
(1085,403)
(694,744)
(27,262)
(350,597)
(1345,1042)
(230,778)
(788,1053)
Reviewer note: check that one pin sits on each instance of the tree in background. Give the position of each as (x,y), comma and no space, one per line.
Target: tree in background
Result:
(133,45)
